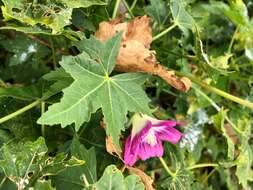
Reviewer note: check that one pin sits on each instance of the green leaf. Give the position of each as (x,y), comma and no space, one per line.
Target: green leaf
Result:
(42,89)
(22,93)
(133,183)
(24,49)
(17,159)
(59,163)
(113,179)
(218,120)
(93,88)
(181,17)
(245,159)
(243,169)
(60,80)
(43,185)
(50,14)
(81,3)
(73,178)
(158,11)
(236,11)
(182,180)
(25,161)
(220,62)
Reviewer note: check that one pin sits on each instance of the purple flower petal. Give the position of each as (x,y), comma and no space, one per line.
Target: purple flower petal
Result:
(132,145)
(130,154)
(147,151)
(169,134)
(168,123)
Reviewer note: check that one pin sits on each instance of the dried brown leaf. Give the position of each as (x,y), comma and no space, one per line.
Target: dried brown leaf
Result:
(111,148)
(134,54)
(230,132)
(147,180)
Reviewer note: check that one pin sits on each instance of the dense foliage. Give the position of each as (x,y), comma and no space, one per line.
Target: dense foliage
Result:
(65,111)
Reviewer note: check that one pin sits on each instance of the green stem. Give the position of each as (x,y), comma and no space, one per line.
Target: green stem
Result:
(20,111)
(216,90)
(208,176)
(53,53)
(43,126)
(217,108)
(116,7)
(203,165)
(85,181)
(172,174)
(133,5)
(232,40)
(164,32)
(128,9)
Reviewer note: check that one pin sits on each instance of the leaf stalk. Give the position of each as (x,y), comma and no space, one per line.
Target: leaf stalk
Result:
(156,37)
(20,111)
(165,166)
(116,7)
(216,90)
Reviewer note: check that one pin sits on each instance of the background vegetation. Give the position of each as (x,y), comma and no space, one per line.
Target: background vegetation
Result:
(210,42)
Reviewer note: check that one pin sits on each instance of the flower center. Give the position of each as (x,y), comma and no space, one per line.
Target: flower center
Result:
(151,138)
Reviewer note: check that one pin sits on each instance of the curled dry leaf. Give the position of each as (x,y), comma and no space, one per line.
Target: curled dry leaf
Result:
(230,132)
(147,180)
(111,148)
(134,54)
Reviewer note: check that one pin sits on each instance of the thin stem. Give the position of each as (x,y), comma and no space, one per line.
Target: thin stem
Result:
(209,175)
(116,7)
(43,126)
(2,182)
(20,111)
(203,165)
(53,53)
(164,32)
(128,9)
(85,181)
(133,5)
(217,108)
(172,174)
(232,40)
(216,90)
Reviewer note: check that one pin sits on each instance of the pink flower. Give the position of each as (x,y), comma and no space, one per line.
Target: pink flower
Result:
(146,138)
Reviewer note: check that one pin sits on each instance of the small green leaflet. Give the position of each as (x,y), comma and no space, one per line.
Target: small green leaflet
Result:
(181,17)
(219,120)
(113,179)
(158,11)
(93,88)
(244,161)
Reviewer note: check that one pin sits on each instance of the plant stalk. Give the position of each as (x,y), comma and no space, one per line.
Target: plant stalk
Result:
(128,9)
(115,10)
(216,90)
(133,5)
(165,166)
(43,126)
(164,32)
(203,165)
(20,111)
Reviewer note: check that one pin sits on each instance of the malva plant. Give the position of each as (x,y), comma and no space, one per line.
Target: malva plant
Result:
(120,94)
